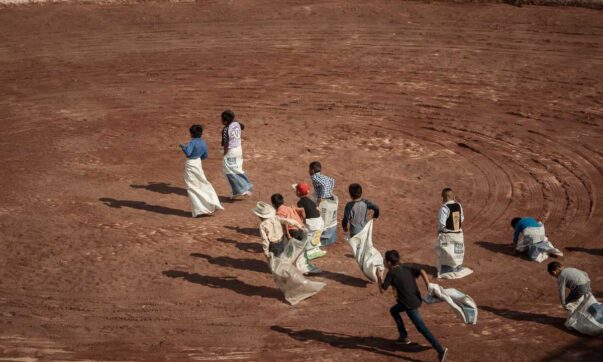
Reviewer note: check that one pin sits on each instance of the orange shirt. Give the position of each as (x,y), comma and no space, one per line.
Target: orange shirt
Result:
(288,212)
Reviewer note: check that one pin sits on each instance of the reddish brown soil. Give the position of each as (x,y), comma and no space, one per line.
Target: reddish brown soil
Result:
(100,259)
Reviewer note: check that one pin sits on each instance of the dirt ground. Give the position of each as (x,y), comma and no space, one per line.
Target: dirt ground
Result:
(101,260)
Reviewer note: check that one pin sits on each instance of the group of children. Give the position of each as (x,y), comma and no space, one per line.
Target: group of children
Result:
(306,221)
(280,222)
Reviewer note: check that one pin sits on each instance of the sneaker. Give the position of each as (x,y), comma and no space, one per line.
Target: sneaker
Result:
(315,254)
(403,340)
(314,270)
(442,357)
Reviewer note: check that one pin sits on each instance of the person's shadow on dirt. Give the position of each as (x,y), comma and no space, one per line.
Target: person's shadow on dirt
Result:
(244,231)
(506,249)
(378,345)
(261,266)
(162,188)
(141,205)
(344,279)
(597,252)
(247,247)
(515,315)
(166,189)
(243,264)
(227,283)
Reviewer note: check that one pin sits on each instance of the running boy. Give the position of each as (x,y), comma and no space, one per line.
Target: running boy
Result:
(408,299)
(312,219)
(574,279)
(356,211)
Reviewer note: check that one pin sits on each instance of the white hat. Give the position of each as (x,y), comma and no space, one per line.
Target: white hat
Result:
(264,210)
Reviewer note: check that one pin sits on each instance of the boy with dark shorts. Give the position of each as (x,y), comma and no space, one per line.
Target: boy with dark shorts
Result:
(408,299)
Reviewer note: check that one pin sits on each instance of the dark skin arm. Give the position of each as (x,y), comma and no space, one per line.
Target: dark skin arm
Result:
(380,273)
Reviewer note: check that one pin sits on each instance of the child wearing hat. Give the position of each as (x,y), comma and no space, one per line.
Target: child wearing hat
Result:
(312,219)
(272,229)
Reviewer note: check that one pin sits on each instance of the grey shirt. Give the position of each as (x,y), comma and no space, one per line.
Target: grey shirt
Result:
(356,213)
(570,278)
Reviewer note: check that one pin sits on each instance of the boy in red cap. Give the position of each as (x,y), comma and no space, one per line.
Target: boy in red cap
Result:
(312,219)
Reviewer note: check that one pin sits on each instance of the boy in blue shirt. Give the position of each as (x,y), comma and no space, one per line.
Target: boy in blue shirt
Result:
(520,224)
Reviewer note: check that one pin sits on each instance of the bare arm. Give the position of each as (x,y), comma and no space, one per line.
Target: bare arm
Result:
(265,242)
(380,281)
(425,278)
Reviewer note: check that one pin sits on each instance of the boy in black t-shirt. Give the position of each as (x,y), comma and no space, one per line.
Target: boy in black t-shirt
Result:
(408,299)
(312,220)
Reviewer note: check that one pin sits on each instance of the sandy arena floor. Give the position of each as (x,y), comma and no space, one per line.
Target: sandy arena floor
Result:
(100,259)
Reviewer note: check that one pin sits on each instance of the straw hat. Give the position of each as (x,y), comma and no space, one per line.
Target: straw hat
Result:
(264,210)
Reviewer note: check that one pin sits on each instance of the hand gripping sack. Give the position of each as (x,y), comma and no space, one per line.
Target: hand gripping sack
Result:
(587,317)
(368,257)
(450,253)
(463,305)
(328,212)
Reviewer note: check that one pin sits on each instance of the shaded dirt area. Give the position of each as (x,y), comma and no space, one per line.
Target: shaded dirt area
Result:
(100,259)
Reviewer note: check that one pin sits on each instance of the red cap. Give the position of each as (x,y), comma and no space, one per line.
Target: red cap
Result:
(302,188)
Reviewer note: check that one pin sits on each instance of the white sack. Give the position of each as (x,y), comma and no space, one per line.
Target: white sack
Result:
(533,241)
(461,303)
(587,317)
(368,257)
(288,278)
(294,252)
(450,253)
(201,193)
(328,211)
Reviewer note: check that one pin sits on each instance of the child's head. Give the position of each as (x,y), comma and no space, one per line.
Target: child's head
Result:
(301,189)
(447,194)
(355,191)
(227,117)
(315,167)
(515,221)
(277,200)
(263,210)
(392,258)
(554,268)
(196,130)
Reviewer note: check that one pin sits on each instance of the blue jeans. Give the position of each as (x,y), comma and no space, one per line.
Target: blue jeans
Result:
(415,318)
